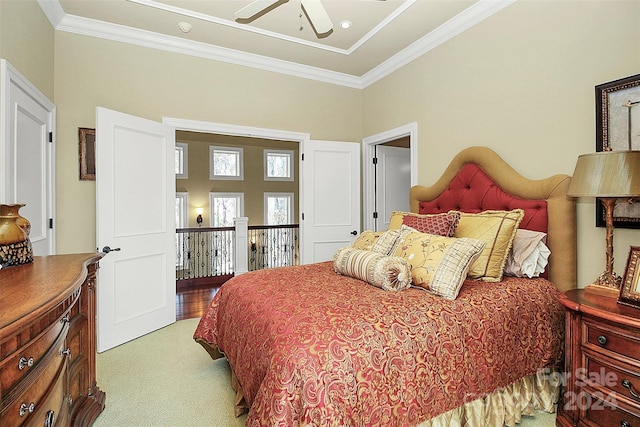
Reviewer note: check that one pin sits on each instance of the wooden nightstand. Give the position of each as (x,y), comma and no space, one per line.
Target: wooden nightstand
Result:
(602,362)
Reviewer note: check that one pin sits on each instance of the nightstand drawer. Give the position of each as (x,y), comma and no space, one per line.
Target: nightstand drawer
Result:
(613,377)
(599,336)
(602,414)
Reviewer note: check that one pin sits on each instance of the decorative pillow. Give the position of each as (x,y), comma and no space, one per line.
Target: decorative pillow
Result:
(497,229)
(438,263)
(443,224)
(388,242)
(388,273)
(366,239)
(529,255)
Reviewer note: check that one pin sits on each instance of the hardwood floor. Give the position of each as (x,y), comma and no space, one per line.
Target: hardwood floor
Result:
(193,302)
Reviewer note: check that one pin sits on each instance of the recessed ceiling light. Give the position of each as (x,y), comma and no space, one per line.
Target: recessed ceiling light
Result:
(345,24)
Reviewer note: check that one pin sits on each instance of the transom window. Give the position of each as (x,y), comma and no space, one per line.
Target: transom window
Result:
(226,163)
(224,207)
(278,208)
(278,165)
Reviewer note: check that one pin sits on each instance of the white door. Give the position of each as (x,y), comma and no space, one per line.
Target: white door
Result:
(393,181)
(135,199)
(28,176)
(330,188)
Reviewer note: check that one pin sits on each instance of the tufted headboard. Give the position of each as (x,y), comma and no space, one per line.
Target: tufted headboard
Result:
(477,179)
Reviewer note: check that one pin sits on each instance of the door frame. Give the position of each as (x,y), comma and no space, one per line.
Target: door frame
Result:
(9,75)
(368,177)
(249,132)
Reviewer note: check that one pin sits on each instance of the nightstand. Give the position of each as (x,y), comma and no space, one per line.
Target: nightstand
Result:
(602,362)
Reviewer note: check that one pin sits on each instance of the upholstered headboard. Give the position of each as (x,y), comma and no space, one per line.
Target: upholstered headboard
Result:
(478,179)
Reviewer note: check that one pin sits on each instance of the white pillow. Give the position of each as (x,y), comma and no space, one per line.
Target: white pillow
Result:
(529,254)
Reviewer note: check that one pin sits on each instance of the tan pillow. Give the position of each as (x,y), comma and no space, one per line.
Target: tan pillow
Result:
(497,229)
(388,242)
(385,272)
(438,263)
(366,239)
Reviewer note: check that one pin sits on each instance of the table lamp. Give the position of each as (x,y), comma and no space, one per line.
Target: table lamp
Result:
(610,176)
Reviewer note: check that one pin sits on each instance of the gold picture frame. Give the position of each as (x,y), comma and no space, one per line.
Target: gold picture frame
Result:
(87,153)
(630,289)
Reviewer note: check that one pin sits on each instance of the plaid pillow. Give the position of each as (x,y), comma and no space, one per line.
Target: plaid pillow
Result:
(442,224)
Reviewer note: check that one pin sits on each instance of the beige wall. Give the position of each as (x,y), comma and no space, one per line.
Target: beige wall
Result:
(521,82)
(198,184)
(27,42)
(149,83)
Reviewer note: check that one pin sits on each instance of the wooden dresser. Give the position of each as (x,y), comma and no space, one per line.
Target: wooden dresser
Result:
(602,362)
(47,342)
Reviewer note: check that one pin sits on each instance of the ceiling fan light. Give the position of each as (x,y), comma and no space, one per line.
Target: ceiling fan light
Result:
(345,24)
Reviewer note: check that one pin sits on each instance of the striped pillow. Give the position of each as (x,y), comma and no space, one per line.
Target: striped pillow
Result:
(385,272)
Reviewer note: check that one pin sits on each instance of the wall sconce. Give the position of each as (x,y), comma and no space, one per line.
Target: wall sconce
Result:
(199,211)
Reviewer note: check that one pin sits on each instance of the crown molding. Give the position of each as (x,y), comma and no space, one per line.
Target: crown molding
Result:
(94,28)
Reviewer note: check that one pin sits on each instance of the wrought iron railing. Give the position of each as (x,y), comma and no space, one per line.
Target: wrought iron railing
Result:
(273,246)
(208,255)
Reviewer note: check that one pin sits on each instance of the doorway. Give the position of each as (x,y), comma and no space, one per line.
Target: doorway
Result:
(378,200)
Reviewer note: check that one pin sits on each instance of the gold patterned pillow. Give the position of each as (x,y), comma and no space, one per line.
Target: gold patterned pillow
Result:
(385,272)
(366,239)
(497,229)
(438,263)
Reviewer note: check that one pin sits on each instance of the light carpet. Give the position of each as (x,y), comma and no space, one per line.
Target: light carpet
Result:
(166,379)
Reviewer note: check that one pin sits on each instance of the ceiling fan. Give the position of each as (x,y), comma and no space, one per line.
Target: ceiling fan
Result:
(313,9)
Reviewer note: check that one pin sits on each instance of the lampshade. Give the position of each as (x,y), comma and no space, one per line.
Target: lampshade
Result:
(606,174)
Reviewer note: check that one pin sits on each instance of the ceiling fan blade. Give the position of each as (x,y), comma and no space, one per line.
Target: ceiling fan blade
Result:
(318,16)
(254,8)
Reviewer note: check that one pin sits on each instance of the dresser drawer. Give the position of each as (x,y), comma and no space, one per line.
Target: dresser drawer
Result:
(613,378)
(23,406)
(602,337)
(14,368)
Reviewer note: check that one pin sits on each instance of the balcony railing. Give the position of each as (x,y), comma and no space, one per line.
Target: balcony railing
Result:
(208,255)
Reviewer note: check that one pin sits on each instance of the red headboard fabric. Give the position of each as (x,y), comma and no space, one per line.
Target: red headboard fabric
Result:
(473,191)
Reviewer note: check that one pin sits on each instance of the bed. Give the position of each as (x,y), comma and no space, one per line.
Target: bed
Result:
(312,345)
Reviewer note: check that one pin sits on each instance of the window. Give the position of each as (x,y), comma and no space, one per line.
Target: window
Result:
(182,160)
(226,163)
(278,208)
(182,213)
(278,165)
(224,207)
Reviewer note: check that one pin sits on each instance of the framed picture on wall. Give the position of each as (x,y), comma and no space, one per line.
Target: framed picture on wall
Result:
(618,128)
(87,153)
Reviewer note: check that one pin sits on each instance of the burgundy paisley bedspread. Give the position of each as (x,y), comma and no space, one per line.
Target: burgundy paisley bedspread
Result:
(310,347)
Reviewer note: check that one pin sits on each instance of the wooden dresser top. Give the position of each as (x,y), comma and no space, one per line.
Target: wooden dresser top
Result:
(29,290)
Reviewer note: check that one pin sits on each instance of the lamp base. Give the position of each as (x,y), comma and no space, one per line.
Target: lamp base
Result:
(607,285)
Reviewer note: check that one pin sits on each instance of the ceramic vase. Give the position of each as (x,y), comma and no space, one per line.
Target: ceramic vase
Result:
(15,245)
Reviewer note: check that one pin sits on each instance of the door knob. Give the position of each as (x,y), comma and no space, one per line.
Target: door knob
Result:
(107,249)
(354,232)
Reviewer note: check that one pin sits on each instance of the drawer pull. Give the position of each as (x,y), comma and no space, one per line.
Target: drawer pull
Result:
(627,384)
(24,408)
(24,362)
(50,419)
(624,424)
(602,340)
(66,352)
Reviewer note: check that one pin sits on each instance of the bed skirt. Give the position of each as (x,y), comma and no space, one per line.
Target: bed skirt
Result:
(503,407)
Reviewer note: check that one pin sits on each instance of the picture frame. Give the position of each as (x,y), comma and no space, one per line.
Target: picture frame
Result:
(630,287)
(618,128)
(87,153)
